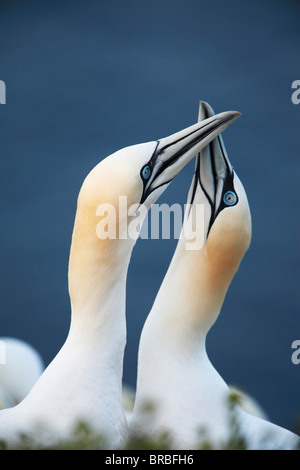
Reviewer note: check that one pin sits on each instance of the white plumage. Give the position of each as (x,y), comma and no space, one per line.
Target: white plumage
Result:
(84,380)
(21,369)
(175,375)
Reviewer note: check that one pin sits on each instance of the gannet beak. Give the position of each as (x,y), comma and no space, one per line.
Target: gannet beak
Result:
(214,171)
(174,152)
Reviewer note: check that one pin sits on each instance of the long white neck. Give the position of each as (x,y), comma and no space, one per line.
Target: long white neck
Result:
(84,381)
(188,302)
(97,286)
(172,344)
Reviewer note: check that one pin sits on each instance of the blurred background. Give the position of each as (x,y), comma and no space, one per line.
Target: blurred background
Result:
(84,79)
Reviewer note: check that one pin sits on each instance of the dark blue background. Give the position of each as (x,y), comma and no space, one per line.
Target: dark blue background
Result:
(87,78)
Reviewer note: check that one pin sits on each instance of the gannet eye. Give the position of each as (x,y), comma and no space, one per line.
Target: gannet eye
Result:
(146,172)
(230,198)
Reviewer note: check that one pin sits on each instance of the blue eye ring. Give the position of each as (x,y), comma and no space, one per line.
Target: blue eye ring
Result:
(146,172)
(230,198)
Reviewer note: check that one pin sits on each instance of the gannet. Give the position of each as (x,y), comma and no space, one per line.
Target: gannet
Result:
(84,380)
(21,369)
(179,392)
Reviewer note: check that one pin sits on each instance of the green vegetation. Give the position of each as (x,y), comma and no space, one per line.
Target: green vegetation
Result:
(84,438)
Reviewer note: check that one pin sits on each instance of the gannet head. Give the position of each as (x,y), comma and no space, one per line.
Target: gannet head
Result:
(227,218)
(129,179)
(142,172)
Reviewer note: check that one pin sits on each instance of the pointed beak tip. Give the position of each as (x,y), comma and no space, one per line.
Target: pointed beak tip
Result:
(206,111)
(233,115)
